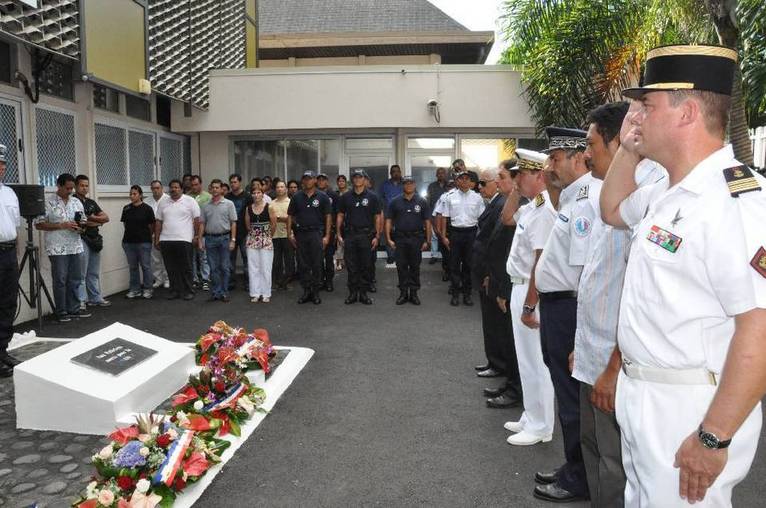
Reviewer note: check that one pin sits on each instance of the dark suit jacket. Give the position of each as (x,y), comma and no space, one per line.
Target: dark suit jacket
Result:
(498,248)
(487,222)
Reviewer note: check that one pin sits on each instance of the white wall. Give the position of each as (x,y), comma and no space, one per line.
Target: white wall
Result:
(354,97)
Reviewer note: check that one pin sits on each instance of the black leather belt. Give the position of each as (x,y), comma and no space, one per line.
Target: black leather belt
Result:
(218,234)
(7,245)
(354,229)
(409,234)
(460,230)
(557,295)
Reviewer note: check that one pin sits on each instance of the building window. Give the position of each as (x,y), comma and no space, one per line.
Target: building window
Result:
(6,61)
(484,153)
(55,145)
(136,107)
(9,128)
(141,157)
(106,98)
(56,80)
(110,155)
(163,111)
(259,158)
(302,155)
(329,159)
(171,159)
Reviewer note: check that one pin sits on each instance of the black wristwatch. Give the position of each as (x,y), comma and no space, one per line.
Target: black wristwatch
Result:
(528,309)
(711,441)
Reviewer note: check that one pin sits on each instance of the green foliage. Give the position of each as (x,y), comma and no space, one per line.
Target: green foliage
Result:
(752,16)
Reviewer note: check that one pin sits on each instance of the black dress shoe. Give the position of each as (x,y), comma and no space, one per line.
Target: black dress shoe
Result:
(503,401)
(306,296)
(482,367)
(188,296)
(351,298)
(552,492)
(546,477)
(455,301)
(432,261)
(402,298)
(9,360)
(315,298)
(414,300)
(365,299)
(329,287)
(5,371)
(494,392)
(490,372)
(173,296)
(467,300)
(373,288)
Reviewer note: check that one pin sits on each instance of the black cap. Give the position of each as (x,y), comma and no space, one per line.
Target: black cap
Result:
(308,174)
(709,68)
(358,172)
(322,175)
(408,178)
(562,138)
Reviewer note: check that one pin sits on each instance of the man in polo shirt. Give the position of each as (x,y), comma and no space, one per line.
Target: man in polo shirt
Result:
(178,225)
(219,217)
(158,266)
(200,266)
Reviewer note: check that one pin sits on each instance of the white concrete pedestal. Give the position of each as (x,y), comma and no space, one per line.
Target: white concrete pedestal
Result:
(54,393)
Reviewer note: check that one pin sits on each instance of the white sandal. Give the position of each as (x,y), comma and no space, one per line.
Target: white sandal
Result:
(266,299)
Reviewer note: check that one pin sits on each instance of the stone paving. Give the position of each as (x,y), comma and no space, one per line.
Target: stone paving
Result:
(46,468)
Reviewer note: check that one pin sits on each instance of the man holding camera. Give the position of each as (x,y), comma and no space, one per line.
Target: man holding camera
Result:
(10,220)
(93,243)
(63,222)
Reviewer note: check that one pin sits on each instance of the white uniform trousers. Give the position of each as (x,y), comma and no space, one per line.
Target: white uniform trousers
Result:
(259,263)
(536,383)
(158,266)
(655,418)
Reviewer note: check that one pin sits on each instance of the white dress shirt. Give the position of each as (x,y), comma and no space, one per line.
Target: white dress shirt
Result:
(570,240)
(678,307)
(463,208)
(440,203)
(10,220)
(534,222)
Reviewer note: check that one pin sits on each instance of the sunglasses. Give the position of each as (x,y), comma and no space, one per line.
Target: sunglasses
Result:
(482,183)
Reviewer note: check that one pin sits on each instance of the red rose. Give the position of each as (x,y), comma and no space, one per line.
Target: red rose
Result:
(179,484)
(125,482)
(163,440)
(219,386)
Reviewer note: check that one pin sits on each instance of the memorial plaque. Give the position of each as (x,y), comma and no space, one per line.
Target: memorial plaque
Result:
(114,357)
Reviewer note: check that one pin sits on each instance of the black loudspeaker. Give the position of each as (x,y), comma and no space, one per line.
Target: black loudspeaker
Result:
(31,199)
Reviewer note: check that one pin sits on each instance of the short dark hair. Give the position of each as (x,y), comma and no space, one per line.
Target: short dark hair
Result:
(175,180)
(155,181)
(397,166)
(267,177)
(63,178)
(138,189)
(507,164)
(236,176)
(458,161)
(257,179)
(196,177)
(341,176)
(80,178)
(715,108)
(608,119)
(186,175)
(216,181)
(293,182)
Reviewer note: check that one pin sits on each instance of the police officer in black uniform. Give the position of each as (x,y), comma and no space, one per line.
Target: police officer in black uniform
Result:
(328,262)
(408,226)
(309,227)
(359,225)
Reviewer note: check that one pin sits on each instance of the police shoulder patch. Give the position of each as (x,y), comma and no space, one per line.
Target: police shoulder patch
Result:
(582,193)
(759,262)
(740,180)
(539,200)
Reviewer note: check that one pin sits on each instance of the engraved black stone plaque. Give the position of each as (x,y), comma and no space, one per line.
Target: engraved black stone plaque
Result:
(114,357)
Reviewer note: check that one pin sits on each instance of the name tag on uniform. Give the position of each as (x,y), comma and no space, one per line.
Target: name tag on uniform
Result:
(664,239)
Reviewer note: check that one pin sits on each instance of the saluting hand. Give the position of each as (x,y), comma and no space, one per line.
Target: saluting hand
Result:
(699,467)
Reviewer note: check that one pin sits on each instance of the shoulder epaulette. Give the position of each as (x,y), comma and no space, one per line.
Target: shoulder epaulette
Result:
(582,193)
(539,201)
(740,180)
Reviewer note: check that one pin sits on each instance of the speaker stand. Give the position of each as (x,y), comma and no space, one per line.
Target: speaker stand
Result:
(36,283)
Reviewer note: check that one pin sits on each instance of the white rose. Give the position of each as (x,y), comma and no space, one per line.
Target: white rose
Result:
(172,433)
(90,490)
(198,405)
(106,452)
(106,497)
(144,451)
(143,485)
(144,437)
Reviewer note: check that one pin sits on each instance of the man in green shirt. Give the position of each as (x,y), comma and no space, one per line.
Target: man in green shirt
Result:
(200,266)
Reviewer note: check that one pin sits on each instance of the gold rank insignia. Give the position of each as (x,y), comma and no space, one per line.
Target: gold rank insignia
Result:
(759,262)
(539,200)
(740,180)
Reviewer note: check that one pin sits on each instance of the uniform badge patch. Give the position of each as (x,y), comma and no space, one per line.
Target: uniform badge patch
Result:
(539,200)
(417,208)
(664,239)
(315,203)
(365,202)
(582,226)
(563,217)
(740,180)
(582,193)
(759,262)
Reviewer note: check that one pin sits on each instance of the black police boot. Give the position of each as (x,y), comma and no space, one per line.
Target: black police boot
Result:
(364,298)
(351,298)
(315,297)
(455,301)
(329,287)
(467,299)
(306,296)
(402,297)
(373,288)
(414,297)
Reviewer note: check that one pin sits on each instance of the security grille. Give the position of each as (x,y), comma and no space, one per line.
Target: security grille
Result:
(56,79)
(54,25)
(110,155)
(171,159)
(8,137)
(55,145)
(141,157)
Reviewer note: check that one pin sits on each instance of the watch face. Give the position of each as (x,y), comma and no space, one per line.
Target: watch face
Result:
(709,440)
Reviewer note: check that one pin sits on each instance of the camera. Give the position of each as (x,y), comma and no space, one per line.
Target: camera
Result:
(78,217)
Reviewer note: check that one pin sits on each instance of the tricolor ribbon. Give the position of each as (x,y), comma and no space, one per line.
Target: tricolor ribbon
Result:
(232,395)
(244,349)
(167,471)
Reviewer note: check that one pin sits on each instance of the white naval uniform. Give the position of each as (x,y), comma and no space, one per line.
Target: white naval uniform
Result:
(10,220)
(677,312)
(534,222)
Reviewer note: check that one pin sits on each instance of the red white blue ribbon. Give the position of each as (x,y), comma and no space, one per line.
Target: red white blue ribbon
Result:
(232,395)
(167,471)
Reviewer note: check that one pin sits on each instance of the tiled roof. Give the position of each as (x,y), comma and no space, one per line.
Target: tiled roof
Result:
(323,16)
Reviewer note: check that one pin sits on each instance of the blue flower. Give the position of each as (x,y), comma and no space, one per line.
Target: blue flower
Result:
(129,456)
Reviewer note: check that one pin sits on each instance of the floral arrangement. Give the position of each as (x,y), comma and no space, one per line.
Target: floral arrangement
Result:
(148,463)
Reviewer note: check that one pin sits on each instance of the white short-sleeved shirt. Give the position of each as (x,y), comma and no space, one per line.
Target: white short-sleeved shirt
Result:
(463,208)
(440,203)
(62,242)
(570,240)
(154,203)
(177,218)
(10,220)
(534,222)
(697,259)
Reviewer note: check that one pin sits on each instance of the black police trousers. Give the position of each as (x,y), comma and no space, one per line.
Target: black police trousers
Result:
(558,321)
(309,253)
(328,261)
(9,281)
(356,253)
(461,245)
(408,257)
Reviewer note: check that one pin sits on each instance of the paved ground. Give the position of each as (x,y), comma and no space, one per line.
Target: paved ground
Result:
(388,412)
